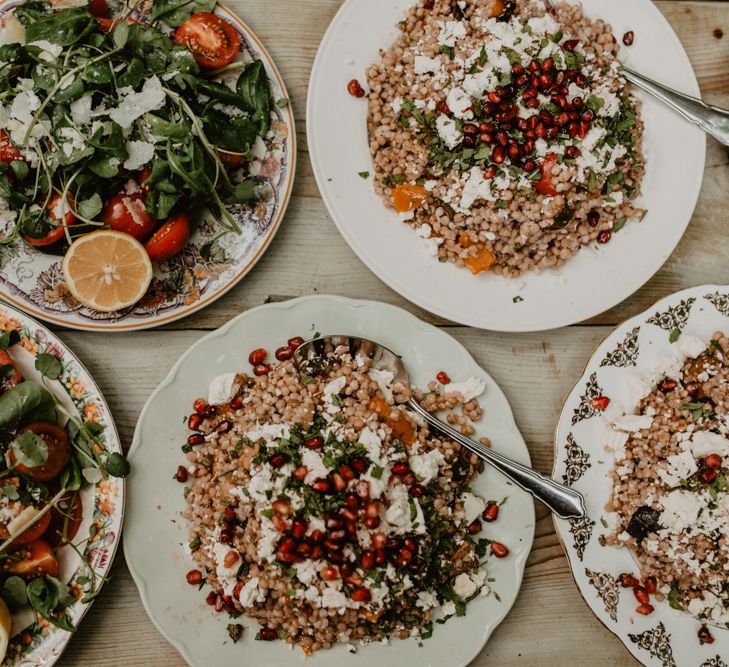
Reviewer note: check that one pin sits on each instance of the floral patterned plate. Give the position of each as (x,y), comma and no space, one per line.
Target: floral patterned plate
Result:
(206,268)
(667,637)
(38,642)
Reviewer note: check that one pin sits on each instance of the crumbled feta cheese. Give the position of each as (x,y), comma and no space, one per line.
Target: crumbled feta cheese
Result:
(473,507)
(632,423)
(450,32)
(426,466)
(469,388)
(680,510)
(447,130)
(314,464)
(250,593)
(459,102)
(463,586)
(679,467)
(690,346)
(222,389)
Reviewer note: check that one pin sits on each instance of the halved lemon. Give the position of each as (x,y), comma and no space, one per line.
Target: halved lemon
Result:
(107,270)
(6,622)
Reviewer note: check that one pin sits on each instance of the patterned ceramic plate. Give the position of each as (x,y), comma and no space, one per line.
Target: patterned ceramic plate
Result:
(667,637)
(205,269)
(155,534)
(39,643)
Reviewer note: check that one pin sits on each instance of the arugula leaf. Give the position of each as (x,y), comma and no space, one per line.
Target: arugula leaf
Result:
(29,449)
(47,364)
(255,89)
(245,191)
(64,27)
(175,12)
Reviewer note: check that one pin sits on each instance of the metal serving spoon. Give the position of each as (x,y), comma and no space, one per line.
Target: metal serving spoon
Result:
(564,502)
(712,120)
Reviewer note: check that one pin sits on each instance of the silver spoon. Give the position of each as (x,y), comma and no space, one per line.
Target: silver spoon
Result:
(310,359)
(712,120)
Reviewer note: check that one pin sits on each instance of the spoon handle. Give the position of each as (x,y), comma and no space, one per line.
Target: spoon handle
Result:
(563,502)
(710,119)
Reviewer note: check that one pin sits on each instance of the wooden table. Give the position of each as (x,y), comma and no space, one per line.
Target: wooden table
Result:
(549,624)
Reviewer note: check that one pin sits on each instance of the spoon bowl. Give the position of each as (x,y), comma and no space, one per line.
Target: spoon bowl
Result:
(311,359)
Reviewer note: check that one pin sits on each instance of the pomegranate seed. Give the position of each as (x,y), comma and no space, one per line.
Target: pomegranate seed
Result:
(361,595)
(284,353)
(329,573)
(287,545)
(339,482)
(352,501)
(268,634)
(641,594)
(346,569)
(548,65)
(572,152)
(225,537)
(530,94)
(442,376)
(372,509)
(193,423)
(408,479)
(417,491)
(593,217)
(400,469)
(580,79)
(474,527)
(708,475)
(600,402)
(198,406)
(223,427)
(314,443)
(316,536)
(499,155)
(359,464)
(295,342)
(278,460)
(209,412)
(443,108)
(304,549)
(469,128)
(628,38)
(237,403)
(532,104)
(336,556)
(604,236)
(534,66)
(261,369)
(348,514)
(237,589)
(380,557)
(218,603)
(552,132)
(410,544)
(333,523)
(486,138)
(210,598)
(490,172)
(363,489)
(517,69)
(367,559)
(502,138)
(491,513)
(281,507)
(651,585)
(279,523)
(469,141)
(181,475)
(354,579)
(570,45)
(494,97)
(583,129)
(298,528)
(534,81)
(572,129)
(514,151)
(346,472)
(379,540)
(372,522)
(257,356)
(300,473)
(667,385)
(322,486)
(194,577)
(355,89)
(522,124)
(545,81)
(404,557)
(230,513)
(645,609)
(713,461)
(230,559)
(499,550)
(705,637)
(484,127)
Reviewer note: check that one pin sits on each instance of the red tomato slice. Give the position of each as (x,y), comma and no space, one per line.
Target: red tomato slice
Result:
(68,512)
(59,452)
(169,239)
(99,8)
(231,159)
(213,41)
(544,186)
(58,232)
(34,532)
(8,152)
(126,213)
(15,377)
(37,559)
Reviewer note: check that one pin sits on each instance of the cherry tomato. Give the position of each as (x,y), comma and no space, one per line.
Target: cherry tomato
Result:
(8,152)
(107,25)
(169,239)
(99,8)
(67,512)
(59,452)
(544,186)
(213,41)
(56,233)
(15,377)
(37,559)
(126,213)
(33,533)
(231,159)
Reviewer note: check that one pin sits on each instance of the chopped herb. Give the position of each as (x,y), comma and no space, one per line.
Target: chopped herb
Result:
(675,335)
(517,299)
(364,174)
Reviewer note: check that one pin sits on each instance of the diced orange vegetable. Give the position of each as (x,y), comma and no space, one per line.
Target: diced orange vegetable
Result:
(402,429)
(481,262)
(408,197)
(498,8)
(465,241)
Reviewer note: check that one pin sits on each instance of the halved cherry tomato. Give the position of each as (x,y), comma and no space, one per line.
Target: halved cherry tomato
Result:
(33,533)
(169,239)
(67,512)
(15,377)
(408,197)
(59,452)
(544,186)
(231,159)
(127,213)
(37,559)
(8,152)
(99,8)
(56,233)
(213,41)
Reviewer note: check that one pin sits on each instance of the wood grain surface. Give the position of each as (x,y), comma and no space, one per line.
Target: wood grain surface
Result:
(550,624)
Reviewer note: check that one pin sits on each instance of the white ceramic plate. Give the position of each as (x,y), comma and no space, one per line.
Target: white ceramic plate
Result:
(103,503)
(204,270)
(155,532)
(666,638)
(589,283)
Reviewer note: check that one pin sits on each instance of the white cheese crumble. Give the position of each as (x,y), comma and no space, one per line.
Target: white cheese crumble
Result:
(222,389)
(469,388)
